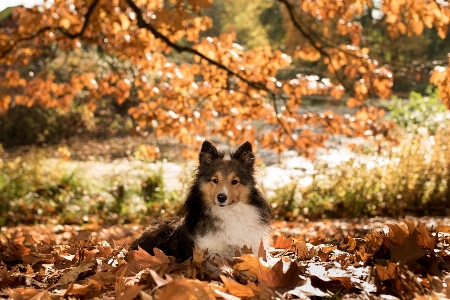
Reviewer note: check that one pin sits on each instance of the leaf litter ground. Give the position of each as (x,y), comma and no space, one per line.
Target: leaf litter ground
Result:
(349,259)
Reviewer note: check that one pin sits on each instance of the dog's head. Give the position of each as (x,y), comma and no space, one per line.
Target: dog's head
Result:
(226,182)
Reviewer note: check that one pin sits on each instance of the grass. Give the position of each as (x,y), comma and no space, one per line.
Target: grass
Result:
(36,190)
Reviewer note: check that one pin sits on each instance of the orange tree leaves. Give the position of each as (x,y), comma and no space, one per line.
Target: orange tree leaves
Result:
(213,86)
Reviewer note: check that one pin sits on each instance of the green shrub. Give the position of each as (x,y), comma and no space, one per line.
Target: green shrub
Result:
(410,179)
(418,112)
(36,189)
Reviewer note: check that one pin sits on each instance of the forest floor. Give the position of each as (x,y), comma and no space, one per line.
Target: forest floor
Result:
(375,258)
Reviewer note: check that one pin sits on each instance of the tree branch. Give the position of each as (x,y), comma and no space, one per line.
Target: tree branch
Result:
(312,41)
(143,24)
(50,28)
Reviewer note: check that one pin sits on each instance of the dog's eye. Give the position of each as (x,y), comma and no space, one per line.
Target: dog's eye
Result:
(234,182)
(215,180)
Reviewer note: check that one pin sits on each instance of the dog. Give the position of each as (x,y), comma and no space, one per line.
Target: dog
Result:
(223,211)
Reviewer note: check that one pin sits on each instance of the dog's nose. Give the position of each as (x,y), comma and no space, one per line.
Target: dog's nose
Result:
(222,198)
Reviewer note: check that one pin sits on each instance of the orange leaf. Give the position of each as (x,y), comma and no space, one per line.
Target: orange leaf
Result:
(236,288)
(185,289)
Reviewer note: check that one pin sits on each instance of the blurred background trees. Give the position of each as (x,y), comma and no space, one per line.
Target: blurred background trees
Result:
(194,69)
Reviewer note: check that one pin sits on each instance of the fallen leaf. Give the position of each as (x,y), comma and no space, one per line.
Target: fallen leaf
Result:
(249,264)
(282,243)
(73,274)
(408,251)
(302,250)
(185,289)
(131,292)
(92,289)
(275,277)
(235,288)
(141,259)
(410,224)
(350,245)
(29,294)
(424,239)
(262,251)
(388,272)
(443,228)
(397,234)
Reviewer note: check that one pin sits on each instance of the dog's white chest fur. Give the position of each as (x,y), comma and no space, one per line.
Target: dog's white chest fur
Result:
(238,225)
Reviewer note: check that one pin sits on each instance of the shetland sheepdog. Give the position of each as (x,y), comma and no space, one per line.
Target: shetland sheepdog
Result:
(224,210)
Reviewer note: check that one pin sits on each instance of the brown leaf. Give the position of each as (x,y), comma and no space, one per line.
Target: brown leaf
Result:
(262,252)
(275,277)
(410,224)
(141,259)
(73,274)
(424,239)
(386,273)
(198,258)
(302,250)
(397,234)
(34,258)
(374,241)
(89,291)
(350,244)
(408,251)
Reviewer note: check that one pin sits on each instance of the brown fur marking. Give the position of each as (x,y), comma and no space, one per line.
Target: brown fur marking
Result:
(228,182)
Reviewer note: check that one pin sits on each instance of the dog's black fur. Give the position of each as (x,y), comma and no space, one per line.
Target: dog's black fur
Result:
(176,236)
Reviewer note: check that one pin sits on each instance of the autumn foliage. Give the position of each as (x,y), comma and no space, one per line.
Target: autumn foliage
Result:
(405,260)
(183,84)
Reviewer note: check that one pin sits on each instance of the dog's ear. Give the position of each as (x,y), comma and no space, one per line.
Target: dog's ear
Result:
(244,154)
(208,153)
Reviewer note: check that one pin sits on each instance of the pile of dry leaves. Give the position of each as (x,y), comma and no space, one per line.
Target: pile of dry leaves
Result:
(407,261)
